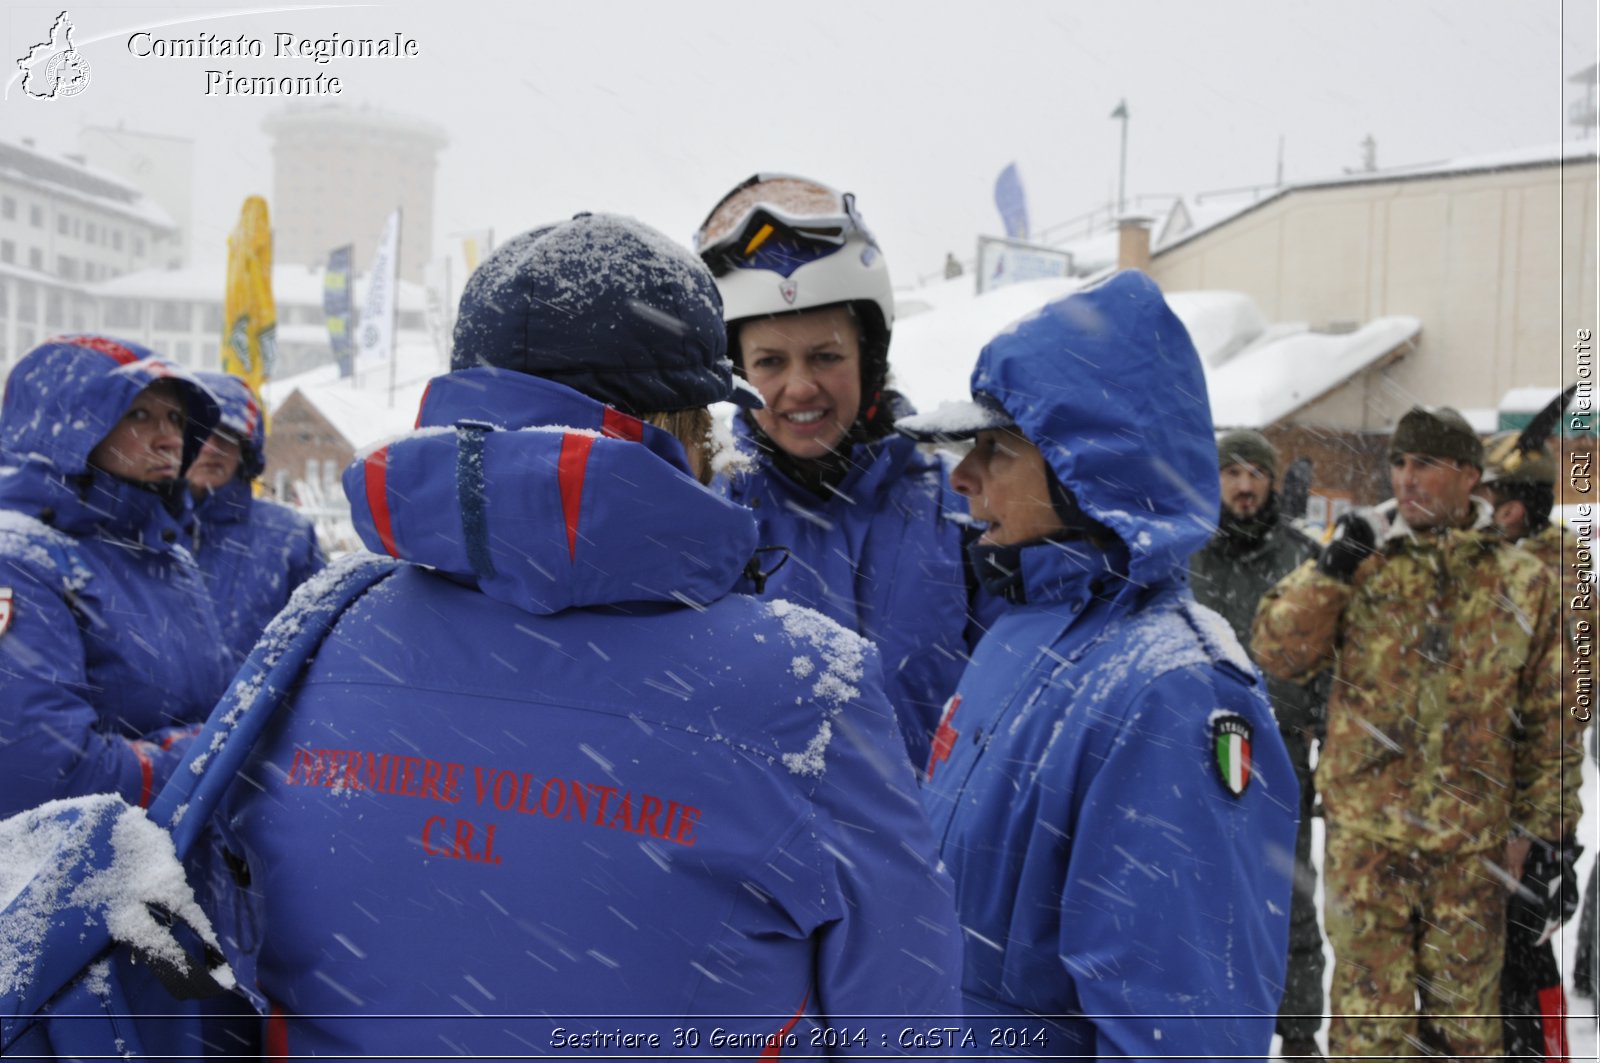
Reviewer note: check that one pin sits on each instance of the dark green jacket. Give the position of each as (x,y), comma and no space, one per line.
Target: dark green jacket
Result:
(1233,582)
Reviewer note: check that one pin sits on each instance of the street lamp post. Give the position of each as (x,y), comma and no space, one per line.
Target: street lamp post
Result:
(1122,169)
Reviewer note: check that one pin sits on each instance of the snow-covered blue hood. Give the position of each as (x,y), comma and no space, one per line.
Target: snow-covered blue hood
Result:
(67,393)
(546,499)
(1108,384)
(240,414)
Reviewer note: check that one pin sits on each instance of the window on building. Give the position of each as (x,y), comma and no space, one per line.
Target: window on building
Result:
(8,251)
(123,313)
(66,268)
(62,224)
(82,314)
(77,226)
(55,310)
(36,259)
(36,216)
(181,350)
(91,233)
(25,339)
(8,207)
(211,318)
(172,317)
(5,302)
(116,239)
(138,245)
(27,307)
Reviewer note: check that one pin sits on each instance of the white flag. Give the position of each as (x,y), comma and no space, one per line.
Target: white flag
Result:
(375,334)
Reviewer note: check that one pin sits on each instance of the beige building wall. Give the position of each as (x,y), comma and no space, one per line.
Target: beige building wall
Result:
(1498,265)
(338,172)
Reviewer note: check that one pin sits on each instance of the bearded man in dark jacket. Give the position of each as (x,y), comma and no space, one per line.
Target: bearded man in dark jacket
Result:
(1254,547)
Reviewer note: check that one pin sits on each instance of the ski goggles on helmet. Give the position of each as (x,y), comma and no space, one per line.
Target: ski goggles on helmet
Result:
(779,223)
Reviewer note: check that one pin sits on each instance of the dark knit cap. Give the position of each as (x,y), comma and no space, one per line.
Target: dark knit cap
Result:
(1249,447)
(607,306)
(1436,432)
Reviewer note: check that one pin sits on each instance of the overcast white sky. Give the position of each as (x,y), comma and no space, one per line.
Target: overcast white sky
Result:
(655,108)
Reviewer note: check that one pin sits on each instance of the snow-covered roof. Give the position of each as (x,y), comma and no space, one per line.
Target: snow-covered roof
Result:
(67,177)
(1528,400)
(204,282)
(359,406)
(1189,218)
(1256,373)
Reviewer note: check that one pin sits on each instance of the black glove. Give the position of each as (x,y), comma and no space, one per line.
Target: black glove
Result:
(1355,537)
(1550,878)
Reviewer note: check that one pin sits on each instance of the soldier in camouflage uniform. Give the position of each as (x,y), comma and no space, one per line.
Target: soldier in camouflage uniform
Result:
(1444,639)
(1254,547)
(1520,485)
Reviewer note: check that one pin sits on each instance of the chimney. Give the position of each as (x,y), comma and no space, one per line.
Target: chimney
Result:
(1133,242)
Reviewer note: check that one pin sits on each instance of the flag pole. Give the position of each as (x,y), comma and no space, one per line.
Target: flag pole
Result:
(394,307)
(1122,169)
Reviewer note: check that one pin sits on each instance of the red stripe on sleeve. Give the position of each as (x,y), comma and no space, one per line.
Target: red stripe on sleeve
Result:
(277,1033)
(147,774)
(574,462)
(377,469)
(422,404)
(1553,1023)
(619,425)
(774,1049)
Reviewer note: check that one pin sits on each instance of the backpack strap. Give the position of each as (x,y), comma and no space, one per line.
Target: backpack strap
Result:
(215,756)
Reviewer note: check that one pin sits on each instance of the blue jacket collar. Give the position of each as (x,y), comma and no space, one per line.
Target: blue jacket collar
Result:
(1067,574)
(96,504)
(546,499)
(228,504)
(873,468)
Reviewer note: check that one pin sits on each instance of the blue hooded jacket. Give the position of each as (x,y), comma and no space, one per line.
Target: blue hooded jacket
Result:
(109,650)
(1108,787)
(883,556)
(551,778)
(253,551)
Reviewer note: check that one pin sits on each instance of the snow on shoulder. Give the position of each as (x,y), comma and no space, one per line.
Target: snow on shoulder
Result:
(840,666)
(104,857)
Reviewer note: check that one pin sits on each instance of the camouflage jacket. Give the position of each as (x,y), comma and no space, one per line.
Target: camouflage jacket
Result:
(1557,547)
(1443,644)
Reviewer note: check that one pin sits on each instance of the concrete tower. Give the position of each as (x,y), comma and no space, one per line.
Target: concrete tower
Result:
(338,171)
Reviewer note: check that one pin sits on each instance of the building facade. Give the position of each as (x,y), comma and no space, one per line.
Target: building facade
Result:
(338,172)
(64,228)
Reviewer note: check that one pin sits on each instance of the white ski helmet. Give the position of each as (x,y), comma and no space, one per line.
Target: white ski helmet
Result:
(779,244)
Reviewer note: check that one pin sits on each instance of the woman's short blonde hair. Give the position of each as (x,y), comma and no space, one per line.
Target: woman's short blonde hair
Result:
(692,428)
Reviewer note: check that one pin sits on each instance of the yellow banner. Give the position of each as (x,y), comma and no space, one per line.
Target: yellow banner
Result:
(249,318)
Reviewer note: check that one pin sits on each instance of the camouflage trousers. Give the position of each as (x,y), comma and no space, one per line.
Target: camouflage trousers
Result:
(1418,940)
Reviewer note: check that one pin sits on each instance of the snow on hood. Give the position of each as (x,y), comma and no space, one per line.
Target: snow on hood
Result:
(65,395)
(1107,383)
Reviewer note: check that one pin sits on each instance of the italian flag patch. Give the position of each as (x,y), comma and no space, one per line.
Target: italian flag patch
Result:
(1230,738)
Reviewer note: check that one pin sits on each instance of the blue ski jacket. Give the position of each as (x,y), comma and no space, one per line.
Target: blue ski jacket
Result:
(1107,785)
(253,551)
(883,556)
(552,788)
(110,654)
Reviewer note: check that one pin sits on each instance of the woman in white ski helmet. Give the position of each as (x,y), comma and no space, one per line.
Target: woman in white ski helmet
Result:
(869,522)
